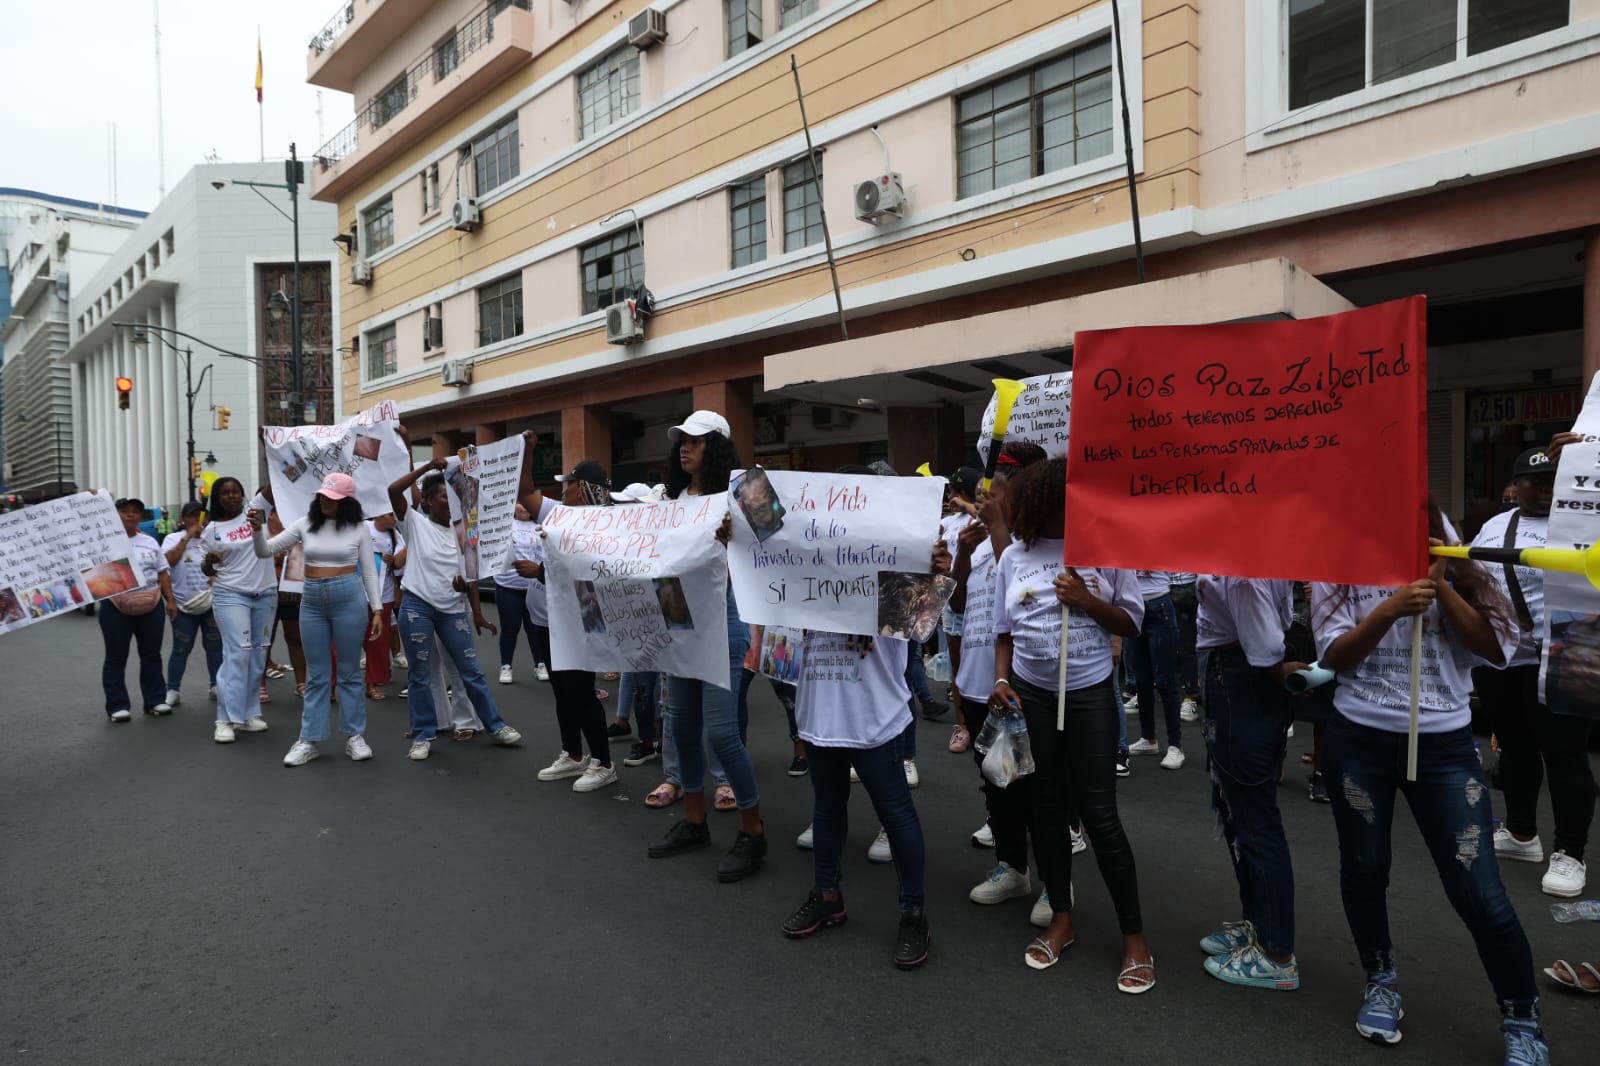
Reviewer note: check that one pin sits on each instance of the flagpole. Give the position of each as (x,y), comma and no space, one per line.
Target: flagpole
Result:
(261,111)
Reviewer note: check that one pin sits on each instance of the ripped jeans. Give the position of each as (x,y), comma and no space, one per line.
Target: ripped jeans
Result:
(1450,801)
(420,622)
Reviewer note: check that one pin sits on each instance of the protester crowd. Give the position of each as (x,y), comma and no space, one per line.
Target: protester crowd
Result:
(391,590)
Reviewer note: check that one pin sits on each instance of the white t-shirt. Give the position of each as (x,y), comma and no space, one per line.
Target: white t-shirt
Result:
(1531,533)
(523,537)
(330,547)
(1027,608)
(537,598)
(1154,583)
(975,675)
(1376,692)
(187,579)
(240,570)
(391,544)
(1183,579)
(433,562)
(1254,612)
(950,527)
(147,556)
(845,700)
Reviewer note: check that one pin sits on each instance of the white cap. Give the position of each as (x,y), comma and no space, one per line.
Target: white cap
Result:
(699,424)
(636,492)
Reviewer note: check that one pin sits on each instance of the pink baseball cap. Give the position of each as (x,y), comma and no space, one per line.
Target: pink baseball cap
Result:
(338,487)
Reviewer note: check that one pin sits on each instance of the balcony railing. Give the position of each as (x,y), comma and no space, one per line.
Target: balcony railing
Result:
(438,63)
(336,25)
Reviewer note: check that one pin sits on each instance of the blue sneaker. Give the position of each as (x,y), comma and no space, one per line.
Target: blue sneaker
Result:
(1380,1014)
(1230,938)
(1525,1044)
(1250,967)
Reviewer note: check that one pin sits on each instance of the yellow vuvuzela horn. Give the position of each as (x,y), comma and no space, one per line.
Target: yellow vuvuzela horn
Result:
(1565,560)
(925,470)
(1006,392)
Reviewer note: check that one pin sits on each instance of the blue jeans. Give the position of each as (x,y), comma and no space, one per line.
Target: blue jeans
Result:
(781,689)
(245,621)
(917,675)
(1450,801)
(184,628)
(701,710)
(1247,719)
(885,781)
(118,631)
(513,607)
(1186,601)
(636,698)
(333,617)
(420,622)
(1155,657)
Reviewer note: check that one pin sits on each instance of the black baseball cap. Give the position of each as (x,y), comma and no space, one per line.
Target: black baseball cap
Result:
(1533,463)
(130,501)
(964,482)
(191,508)
(589,471)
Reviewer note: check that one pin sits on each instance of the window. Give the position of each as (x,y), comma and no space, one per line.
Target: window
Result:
(389,103)
(1329,53)
(608,91)
(494,156)
(744,25)
(500,310)
(802,205)
(378,226)
(382,356)
(445,58)
(430,189)
(166,243)
(612,266)
(749,218)
(1035,121)
(792,11)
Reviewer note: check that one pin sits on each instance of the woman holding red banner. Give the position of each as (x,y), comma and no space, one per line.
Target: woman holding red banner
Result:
(1074,751)
(1364,634)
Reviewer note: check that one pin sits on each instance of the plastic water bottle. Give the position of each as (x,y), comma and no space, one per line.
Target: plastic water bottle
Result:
(990,732)
(1017,726)
(939,667)
(1584,910)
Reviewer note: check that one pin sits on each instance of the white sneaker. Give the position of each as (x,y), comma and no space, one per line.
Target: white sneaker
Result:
(254,724)
(855,779)
(564,767)
(913,779)
(879,851)
(213,693)
(1509,847)
(1144,747)
(1080,843)
(1566,876)
(1173,760)
(804,839)
(1190,711)
(300,753)
(400,661)
(172,698)
(1042,914)
(160,709)
(541,672)
(1131,705)
(363,660)
(595,776)
(1290,731)
(1001,884)
(505,675)
(356,748)
(223,734)
(984,837)
(419,750)
(507,737)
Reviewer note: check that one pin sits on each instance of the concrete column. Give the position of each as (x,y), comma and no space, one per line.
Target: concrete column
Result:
(489,433)
(446,442)
(585,434)
(1591,306)
(735,401)
(932,435)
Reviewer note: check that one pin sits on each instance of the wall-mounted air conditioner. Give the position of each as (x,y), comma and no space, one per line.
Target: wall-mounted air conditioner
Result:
(646,28)
(624,324)
(882,197)
(361,272)
(465,215)
(457,373)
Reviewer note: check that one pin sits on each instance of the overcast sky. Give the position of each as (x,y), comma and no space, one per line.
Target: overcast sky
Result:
(70,70)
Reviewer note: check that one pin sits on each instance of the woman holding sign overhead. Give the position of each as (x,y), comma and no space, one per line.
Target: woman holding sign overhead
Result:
(1364,634)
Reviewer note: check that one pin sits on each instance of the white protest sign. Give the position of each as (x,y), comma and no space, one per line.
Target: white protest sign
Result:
(639,587)
(1041,414)
(483,502)
(1570,674)
(366,447)
(812,550)
(59,555)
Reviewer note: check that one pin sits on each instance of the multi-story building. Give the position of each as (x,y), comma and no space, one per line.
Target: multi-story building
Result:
(519,170)
(49,246)
(208,272)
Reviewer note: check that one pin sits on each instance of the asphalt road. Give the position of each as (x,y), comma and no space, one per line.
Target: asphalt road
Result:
(169,900)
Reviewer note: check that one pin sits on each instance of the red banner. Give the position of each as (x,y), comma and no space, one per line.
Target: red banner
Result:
(1268,449)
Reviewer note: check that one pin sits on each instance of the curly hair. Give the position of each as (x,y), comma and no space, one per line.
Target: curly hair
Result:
(1016,455)
(716,466)
(1038,502)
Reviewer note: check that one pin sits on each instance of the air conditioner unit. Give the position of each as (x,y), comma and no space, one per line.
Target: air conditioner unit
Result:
(465,215)
(361,272)
(883,197)
(432,333)
(457,373)
(624,325)
(646,28)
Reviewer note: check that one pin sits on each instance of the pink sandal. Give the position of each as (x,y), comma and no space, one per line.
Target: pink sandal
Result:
(663,795)
(724,799)
(960,739)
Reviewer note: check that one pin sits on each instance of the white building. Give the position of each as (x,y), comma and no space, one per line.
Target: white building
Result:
(50,246)
(205,264)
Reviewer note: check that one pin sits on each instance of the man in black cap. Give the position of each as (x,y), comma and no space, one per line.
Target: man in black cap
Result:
(587,485)
(1533,742)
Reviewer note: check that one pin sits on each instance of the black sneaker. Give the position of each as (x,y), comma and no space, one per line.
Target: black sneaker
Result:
(934,710)
(1123,769)
(683,836)
(618,729)
(799,767)
(743,858)
(1319,788)
(815,914)
(911,945)
(641,752)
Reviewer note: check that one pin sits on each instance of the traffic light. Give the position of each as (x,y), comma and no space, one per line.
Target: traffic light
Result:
(194,468)
(124,393)
(223,414)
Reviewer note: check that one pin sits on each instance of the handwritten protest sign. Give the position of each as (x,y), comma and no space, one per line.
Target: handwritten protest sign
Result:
(58,555)
(639,587)
(483,501)
(366,447)
(1570,673)
(1272,449)
(813,550)
(782,649)
(1042,414)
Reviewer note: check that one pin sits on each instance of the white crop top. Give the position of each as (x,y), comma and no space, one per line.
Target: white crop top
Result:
(330,547)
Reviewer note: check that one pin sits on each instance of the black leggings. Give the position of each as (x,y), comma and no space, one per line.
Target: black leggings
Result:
(1076,772)
(579,715)
(1007,807)
(1535,744)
